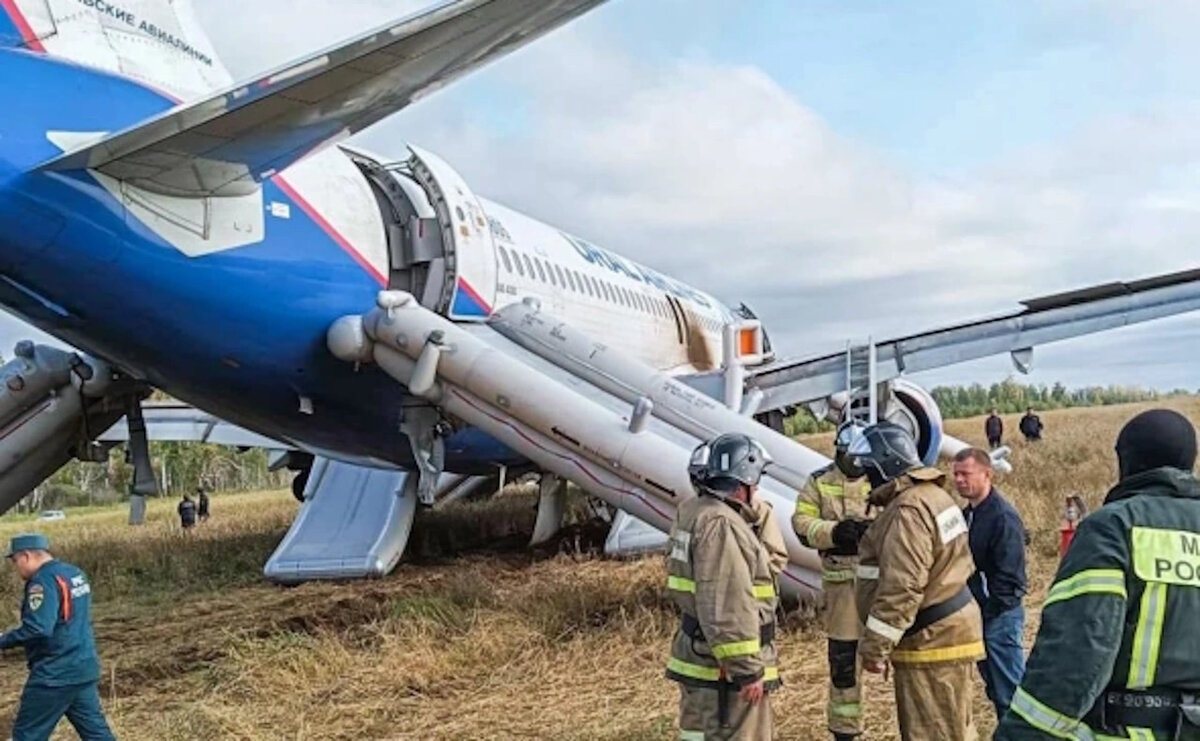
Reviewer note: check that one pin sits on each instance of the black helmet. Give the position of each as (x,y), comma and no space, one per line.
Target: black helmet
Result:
(885,451)
(726,462)
(847,433)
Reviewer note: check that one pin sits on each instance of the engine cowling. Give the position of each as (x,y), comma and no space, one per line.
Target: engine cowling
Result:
(914,409)
(903,403)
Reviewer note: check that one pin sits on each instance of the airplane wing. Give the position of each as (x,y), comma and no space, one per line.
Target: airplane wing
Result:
(182,423)
(1047,319)
(227,144)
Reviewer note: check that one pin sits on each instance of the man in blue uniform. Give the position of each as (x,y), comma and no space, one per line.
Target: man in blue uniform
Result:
(56,633)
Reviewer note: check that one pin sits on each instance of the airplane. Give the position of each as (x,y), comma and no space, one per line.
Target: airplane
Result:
(222,242)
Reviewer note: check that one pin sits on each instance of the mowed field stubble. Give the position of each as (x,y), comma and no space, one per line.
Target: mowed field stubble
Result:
(460,642)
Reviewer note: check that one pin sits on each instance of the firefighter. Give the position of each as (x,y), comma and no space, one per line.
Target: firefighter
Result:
(56,633)
(914,562)
(721,576)
(831,518)
(1116,656)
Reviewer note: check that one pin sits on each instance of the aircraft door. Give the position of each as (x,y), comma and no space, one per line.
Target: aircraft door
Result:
(466,236)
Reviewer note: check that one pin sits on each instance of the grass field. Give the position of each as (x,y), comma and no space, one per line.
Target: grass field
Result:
(464,643)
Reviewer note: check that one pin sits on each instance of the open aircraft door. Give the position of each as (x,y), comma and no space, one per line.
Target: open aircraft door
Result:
(466,234)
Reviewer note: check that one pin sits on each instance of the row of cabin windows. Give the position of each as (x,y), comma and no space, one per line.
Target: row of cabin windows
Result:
(552,273)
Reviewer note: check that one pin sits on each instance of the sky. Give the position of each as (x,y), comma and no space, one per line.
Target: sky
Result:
(845,169)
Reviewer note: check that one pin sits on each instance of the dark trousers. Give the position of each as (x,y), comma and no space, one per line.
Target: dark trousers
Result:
(42,708)
(1004,666)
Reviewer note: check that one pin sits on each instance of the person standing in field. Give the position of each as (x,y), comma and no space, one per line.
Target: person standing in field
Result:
(993,427)
(1031,426)
(1117,655)
(56,633)
(187,512)
(914,564)
(830,517)
(997,539)
(720,575)
(202,503)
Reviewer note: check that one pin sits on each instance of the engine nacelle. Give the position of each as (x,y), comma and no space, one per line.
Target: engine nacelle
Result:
(904,403)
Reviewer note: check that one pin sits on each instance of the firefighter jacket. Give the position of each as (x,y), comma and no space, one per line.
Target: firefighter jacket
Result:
(827,498)
(1122,613)
(719,574)
(766,527)
(914,561)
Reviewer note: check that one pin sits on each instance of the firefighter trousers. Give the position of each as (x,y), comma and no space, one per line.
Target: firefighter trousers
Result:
(933,701)
(840,614)
(699,716)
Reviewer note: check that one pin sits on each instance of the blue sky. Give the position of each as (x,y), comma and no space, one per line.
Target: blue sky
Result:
(846,168)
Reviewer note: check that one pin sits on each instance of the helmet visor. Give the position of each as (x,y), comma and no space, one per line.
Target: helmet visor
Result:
(846,435)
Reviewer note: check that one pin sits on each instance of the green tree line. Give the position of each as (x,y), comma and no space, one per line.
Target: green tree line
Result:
(179,468)
(1007,397)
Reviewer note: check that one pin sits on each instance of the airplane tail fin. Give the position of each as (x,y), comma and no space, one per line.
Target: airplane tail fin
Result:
(158,43)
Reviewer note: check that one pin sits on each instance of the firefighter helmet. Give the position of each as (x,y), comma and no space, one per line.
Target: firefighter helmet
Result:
(885,451)
(726,462)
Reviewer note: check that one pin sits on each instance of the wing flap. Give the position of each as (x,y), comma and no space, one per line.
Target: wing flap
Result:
(227,144)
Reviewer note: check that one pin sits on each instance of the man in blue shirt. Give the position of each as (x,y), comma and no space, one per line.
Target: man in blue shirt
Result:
(56,633)
(997,538)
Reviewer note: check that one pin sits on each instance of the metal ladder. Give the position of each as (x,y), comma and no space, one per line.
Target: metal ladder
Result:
(861,382)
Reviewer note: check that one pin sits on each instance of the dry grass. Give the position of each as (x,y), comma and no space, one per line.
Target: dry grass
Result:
(502,644)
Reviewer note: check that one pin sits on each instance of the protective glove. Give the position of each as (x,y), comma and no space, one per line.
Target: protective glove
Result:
(846,535)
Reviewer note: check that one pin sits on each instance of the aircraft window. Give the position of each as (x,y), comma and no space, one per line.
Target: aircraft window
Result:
(625,295)
(608,293)
(541,272)
(571,281)
(645,302)
(590,282)
(561,278)
(637,302)
(504,256)
(550,270)
(529,266)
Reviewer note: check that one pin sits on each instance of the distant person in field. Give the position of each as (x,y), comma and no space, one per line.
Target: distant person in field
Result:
(994,429)
(56,633)
(997,538)
(187,512)
(202,496)
(1031,426)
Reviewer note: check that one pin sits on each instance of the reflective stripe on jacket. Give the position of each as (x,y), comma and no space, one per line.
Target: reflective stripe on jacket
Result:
(915,555)
(720,573)
(1122,611)
(827,498)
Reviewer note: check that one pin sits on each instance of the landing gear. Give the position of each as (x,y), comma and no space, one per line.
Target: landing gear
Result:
(144,484)
(426,433)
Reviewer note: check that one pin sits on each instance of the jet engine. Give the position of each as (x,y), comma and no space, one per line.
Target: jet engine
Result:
(901,402)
